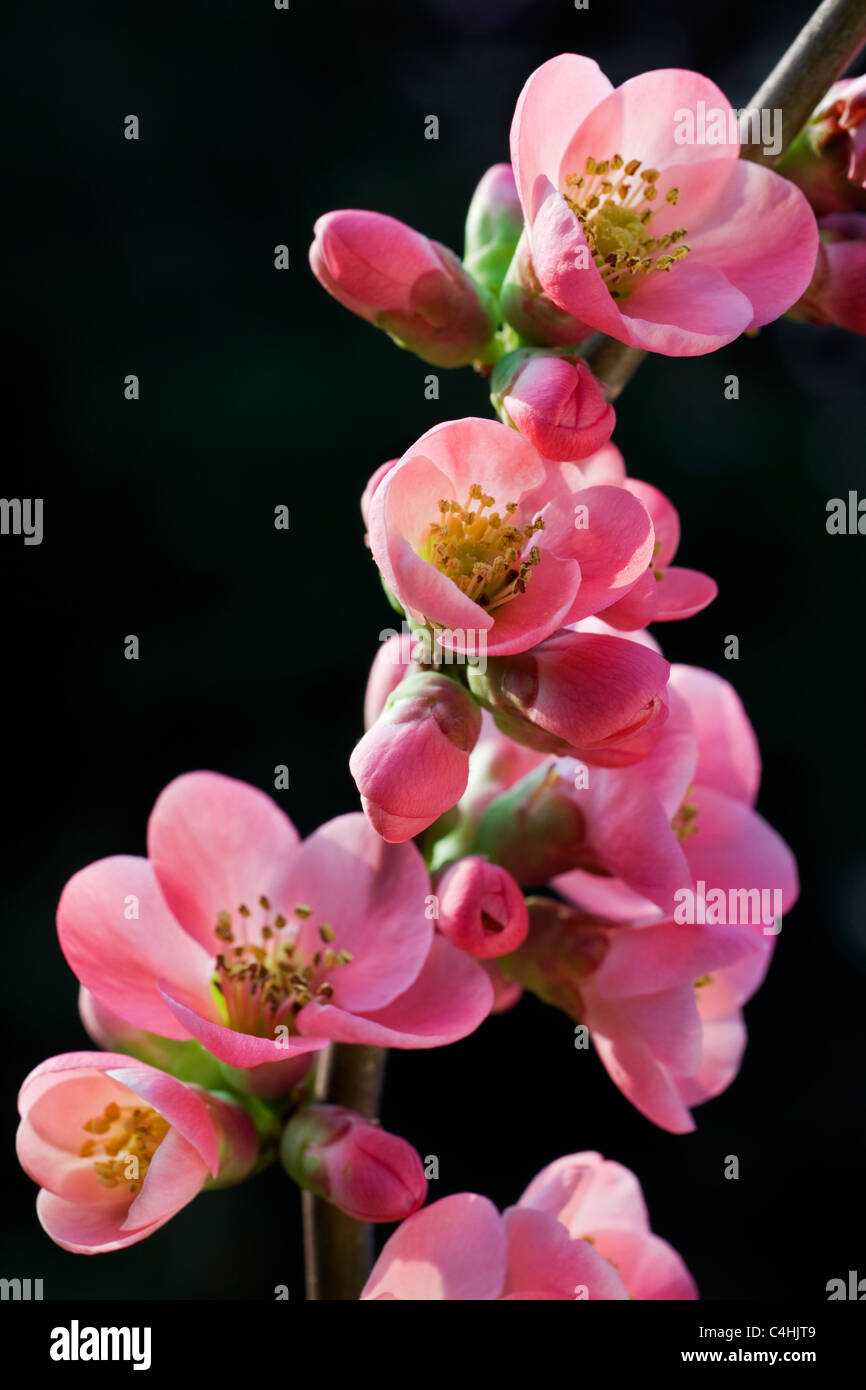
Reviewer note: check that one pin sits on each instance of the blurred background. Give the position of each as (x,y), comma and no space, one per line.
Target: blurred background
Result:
(156,258)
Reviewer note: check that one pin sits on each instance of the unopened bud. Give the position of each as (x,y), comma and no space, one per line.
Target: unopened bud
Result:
(369,1174)
(596,697)
(827,160)
(493,227)
(413,763)
(399,280)
(481,908)
(555,401)
(837,293)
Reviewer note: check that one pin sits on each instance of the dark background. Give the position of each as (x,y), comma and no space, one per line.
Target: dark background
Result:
(156,258)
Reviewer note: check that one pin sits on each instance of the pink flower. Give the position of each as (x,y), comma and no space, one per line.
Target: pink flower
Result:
(580,1231)
(837,294)
(412,764)
(353,1163)
(261,947)
(397,279)
(481,908)
(493,548)
(640,231)
(599,697)
(118,1147)
(555,402)
(660,1000)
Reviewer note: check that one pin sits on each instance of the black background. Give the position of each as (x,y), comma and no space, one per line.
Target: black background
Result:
(156,258)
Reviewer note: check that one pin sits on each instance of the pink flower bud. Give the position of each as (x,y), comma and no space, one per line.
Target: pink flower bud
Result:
(399,280)
(369,1174)
(600,698)
(555,402)
(493,227)
(837,294)
(827,160)
(413,763)
(481,908)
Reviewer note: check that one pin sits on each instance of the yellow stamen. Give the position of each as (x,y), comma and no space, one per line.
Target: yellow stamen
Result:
(614,217)
(485,555)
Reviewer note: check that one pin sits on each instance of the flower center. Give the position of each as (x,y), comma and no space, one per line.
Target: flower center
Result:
(128,1136)
(685,820)
(262,982)
(613,204)
(483,552)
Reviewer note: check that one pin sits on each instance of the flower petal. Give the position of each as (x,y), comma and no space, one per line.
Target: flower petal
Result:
(556,98)
(120,959)
(450,998)
(584,1190)
(763,236)
(374,896)
(543,1257)
(215,843)
(453,1250)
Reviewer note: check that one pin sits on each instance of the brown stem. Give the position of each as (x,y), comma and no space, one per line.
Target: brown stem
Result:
(338,1252)
(820,53)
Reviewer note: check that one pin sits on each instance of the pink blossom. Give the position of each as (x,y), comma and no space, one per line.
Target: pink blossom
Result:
(412,763)
(580,1231)
(555,401)
(399,280)
(481,908)
(635,231)
(492,547)
(118,1147)
(353,1163)
(660,1000)
(260,946)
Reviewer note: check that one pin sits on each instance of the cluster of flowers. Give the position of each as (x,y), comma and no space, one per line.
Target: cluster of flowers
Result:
(525,727)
